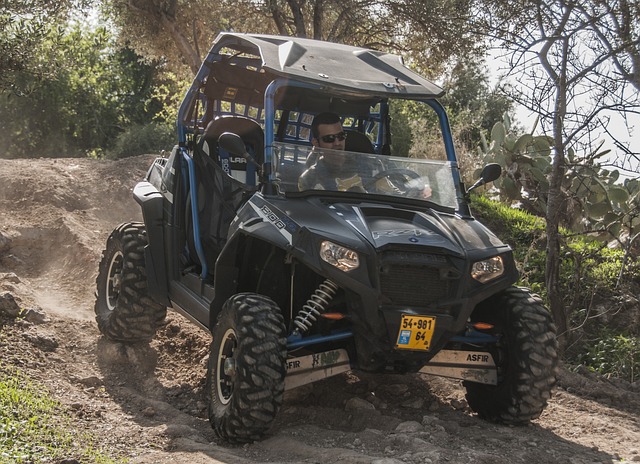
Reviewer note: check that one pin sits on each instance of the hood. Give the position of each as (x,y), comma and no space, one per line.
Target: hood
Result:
(383,226)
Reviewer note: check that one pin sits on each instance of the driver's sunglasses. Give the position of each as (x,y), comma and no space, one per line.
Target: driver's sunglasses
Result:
(332,137)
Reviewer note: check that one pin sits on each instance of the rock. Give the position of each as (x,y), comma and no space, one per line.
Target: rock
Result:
(45,343)
(451,427)
(457,404)
(415,403)
(8,305)
(35,316)
(92,381)
(356,403)
(5,243)
(397,389)
(148,412)
(10,277)
(429,420)
(409,427)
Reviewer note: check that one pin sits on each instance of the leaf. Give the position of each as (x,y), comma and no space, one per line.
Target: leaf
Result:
(538,175)
(543,163)
(610,217)
(618,194)
(510,142)
(498,133)
(598,210)
(510,188)
(541,146)
(507,121)
(483,141)
(501,159)
(615,229)
(522,142)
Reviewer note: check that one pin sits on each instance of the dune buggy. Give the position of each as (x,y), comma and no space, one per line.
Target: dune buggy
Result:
(296,283)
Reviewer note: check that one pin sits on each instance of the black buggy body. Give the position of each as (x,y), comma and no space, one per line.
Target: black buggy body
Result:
(297,284)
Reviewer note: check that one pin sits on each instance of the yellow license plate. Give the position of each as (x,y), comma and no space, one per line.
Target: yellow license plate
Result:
(415,332)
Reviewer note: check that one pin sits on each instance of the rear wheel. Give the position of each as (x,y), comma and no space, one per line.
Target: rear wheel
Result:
(124,310)
(527,358)
(246,368)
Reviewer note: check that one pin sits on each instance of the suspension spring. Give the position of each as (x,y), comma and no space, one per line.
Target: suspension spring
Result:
(316,305)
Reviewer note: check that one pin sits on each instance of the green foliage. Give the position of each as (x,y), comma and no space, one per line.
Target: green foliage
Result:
(99,90)
(141,139)
(24,26)
(589,272)
(33,427)
(472,107)
(614,355)
(526,162)
(595,202)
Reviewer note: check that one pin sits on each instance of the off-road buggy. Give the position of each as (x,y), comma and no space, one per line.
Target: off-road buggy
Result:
(296,285)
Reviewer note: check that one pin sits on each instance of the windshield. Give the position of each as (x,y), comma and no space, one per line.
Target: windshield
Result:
(300,168)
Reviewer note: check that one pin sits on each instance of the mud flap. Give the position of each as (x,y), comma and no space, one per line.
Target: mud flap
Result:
(314,367)
(151,200)
(474,366)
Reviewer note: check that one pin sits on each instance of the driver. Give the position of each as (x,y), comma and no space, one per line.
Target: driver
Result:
(330,170)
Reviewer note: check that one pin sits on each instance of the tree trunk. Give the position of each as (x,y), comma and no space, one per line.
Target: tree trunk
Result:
(556,200)
(298,18)
(189,53)
(552,268)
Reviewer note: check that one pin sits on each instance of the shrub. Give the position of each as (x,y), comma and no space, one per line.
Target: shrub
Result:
(141,139)
(614,355)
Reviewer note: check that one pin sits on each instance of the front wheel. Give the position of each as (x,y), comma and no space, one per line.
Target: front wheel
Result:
(124,310)
(527,358)
(246,368)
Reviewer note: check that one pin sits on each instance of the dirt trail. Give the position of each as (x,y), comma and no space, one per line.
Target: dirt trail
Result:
(146,402)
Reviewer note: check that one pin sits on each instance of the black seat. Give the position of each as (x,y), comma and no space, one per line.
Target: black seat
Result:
(358,142)
(235,166)
(224,182)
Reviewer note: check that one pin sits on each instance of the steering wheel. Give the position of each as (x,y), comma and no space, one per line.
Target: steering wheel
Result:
(398,178)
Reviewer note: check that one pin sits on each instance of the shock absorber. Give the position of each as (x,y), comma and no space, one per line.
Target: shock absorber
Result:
(316,305)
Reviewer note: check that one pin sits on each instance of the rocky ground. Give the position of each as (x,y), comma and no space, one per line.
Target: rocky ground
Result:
(146,402)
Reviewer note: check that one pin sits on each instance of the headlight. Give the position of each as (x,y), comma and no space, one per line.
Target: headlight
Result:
(487,269)
(339,256)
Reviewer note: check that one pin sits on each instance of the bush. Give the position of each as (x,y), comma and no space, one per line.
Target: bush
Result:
(614,355)
(142,139)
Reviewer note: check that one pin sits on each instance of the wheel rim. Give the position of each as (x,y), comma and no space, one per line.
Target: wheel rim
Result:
(225,371)
(114,280)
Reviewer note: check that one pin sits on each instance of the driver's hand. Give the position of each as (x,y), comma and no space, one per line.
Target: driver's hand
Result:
(426,192)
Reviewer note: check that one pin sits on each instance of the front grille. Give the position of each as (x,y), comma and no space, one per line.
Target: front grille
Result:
(412,282)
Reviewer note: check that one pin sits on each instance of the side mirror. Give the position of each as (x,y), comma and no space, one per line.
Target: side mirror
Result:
(489,173)
(234,144)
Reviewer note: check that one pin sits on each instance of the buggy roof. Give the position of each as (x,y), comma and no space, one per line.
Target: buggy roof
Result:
(342,68)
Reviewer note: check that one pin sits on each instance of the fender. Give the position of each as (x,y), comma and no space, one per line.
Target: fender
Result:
(150,200)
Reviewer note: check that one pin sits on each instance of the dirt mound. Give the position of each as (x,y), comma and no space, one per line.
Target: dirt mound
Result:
(147,401)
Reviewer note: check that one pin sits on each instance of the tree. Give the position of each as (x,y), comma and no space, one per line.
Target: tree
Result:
(576,63)
(24,26)
(98,92)
(180,30)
